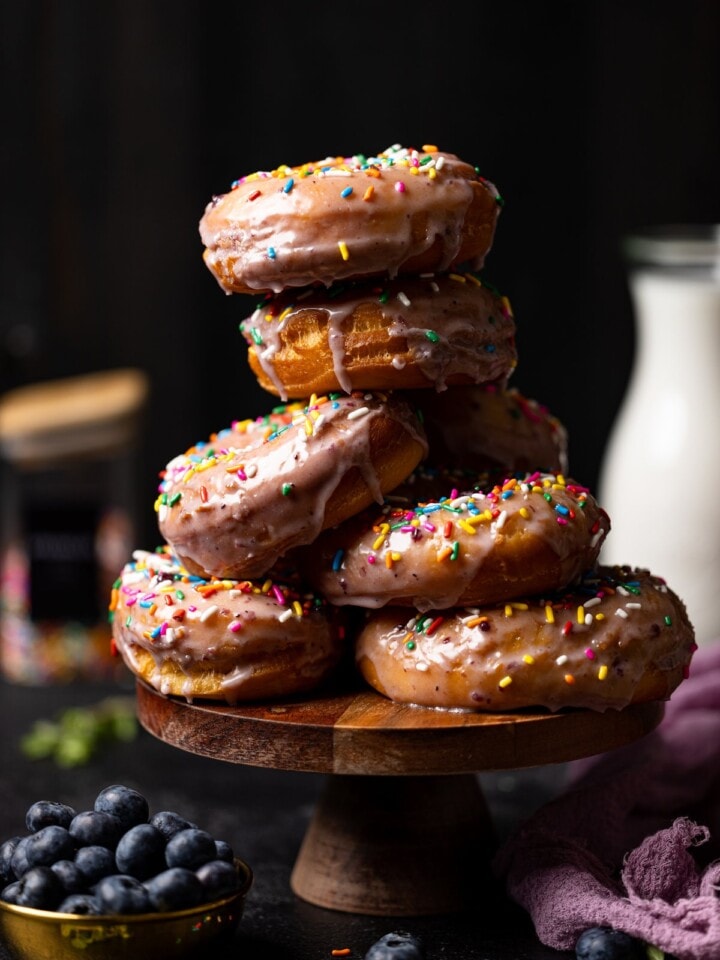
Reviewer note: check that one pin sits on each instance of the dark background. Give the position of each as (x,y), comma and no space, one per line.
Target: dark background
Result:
(122,119)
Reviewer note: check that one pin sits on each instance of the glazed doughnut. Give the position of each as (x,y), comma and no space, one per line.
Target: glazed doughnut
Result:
(620,637)
(219,639)
(231,507)
(399,334)
(486,428)
(402,211)
(528,535)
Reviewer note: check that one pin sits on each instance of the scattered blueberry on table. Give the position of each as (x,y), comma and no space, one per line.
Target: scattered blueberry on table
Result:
(396,946)
(116,859)
(605,943)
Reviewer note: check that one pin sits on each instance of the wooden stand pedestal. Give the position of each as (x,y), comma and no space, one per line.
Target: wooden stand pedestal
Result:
(396,846)
(402,828)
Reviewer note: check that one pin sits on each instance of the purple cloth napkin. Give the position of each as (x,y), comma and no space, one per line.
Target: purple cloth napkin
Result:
(631,843)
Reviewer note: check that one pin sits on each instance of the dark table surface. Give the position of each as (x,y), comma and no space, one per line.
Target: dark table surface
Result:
(263,814)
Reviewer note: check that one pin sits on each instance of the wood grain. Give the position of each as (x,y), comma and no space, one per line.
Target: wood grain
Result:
(360,732)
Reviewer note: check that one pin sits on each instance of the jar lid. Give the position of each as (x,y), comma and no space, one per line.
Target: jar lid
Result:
(60,420)
(675,245)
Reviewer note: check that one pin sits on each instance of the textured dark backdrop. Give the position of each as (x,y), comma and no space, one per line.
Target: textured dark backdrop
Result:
(122,119)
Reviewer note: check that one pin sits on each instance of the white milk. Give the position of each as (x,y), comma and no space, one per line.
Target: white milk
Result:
(660,478)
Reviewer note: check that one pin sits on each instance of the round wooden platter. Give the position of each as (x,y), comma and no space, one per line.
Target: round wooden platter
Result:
(360,732)
(402,828)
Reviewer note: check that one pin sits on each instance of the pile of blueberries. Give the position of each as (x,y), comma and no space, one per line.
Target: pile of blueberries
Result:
(114,859)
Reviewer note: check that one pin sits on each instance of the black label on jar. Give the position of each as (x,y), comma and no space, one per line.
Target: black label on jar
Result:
(63,567)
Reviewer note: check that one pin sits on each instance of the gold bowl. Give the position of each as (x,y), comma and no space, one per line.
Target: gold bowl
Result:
(45,935)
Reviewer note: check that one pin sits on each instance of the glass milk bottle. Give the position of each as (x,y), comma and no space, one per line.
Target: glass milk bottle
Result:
(661,466)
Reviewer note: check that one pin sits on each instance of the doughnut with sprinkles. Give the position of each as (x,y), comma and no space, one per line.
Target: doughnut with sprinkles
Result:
(620,636)
(497,541)
(220,639)
(234,505)
(435,331)
(401,211)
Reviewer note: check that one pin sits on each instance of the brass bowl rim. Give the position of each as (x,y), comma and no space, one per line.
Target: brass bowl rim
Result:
(53,916)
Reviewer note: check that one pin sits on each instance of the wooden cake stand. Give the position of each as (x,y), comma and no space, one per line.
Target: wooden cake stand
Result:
(402,828)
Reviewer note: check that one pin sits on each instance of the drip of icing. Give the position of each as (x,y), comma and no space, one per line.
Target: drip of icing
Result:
(336,341)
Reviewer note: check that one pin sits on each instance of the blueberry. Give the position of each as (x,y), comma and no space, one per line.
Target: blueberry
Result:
(175,889)
(140,851)
(122,894)
(93,828)
(70,875)
(19,861)
(94,863)
(169,823)
(82,904)
(396,946)
(190,848)
(604,943)
(6,854)
(40,888)
(223,851)
(129,806)
(12,892)
(46,813)
(48,845)
(219,878)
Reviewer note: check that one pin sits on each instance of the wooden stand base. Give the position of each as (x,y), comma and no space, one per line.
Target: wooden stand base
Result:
(396,846)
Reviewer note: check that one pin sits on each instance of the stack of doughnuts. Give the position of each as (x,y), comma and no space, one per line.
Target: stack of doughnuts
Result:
(404,507)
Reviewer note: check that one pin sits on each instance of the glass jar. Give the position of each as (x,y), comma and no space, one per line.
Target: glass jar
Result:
(68,521)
